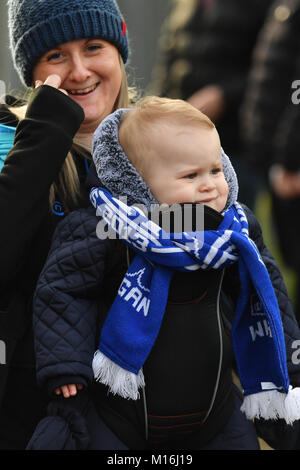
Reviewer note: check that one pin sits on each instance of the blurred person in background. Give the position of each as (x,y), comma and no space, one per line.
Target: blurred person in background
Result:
(204,57)
(270,118)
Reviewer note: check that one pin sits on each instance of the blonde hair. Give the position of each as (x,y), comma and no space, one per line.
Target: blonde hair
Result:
(68,185)
(134,132)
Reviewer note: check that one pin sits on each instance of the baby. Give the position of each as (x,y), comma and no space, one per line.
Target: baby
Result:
(176,149)
(162,333)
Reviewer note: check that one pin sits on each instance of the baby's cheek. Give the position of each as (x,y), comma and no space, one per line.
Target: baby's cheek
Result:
(225,189)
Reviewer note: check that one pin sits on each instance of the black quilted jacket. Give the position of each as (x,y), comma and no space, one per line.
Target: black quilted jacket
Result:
(78,284)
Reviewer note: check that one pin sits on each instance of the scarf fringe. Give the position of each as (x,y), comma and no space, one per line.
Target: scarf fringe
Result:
(120,381)
(273,405)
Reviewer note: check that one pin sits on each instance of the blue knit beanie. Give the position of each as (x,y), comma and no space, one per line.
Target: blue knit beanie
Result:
(36,26)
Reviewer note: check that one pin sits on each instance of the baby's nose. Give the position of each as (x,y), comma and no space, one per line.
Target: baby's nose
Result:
(206,183)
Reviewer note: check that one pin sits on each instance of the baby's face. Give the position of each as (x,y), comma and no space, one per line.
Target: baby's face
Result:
(187,167)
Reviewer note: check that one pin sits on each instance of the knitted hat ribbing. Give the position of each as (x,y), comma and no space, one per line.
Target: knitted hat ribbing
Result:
(36,26)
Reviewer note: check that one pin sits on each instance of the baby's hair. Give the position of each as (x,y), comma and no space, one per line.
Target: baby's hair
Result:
(151,111)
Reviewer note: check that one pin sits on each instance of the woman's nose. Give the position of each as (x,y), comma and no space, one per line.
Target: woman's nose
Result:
(79,71)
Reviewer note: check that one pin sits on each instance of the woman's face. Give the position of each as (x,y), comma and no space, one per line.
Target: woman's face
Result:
(91,74)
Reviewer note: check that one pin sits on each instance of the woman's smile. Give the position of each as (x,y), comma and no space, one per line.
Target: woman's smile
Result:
(83,91)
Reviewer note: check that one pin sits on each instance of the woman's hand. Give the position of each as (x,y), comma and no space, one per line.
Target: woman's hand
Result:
(52,80)
(69,390)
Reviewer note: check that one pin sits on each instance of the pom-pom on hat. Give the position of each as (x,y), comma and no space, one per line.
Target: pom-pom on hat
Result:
(37,26)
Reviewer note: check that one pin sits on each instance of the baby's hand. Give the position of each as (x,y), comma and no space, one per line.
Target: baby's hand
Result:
(69,390)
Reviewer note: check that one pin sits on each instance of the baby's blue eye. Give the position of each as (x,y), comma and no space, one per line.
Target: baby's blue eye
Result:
(215,171)
(191,176)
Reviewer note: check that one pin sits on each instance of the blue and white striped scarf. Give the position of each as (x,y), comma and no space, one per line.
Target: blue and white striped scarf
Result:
(135,317)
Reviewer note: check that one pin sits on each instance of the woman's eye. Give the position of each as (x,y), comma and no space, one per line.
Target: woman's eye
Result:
(54,56)
(94,47)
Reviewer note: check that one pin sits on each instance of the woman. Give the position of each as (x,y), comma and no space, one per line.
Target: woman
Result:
(73,53)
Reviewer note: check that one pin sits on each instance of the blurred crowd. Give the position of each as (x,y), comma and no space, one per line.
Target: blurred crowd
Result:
(239,62)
